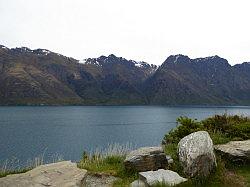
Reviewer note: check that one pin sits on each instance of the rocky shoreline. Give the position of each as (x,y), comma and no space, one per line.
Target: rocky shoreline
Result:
(195,151)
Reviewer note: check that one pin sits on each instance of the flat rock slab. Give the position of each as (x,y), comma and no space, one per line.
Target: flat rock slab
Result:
(63,174)
(146,158)
(237,151)
(161,176)
(96,180)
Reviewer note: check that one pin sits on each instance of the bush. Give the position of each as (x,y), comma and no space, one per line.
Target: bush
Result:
(241,130)
(222,129)
(232,126)
(184,128)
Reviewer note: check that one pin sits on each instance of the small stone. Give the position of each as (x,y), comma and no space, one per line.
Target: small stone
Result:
(138,183)
(146,158)
(169,159)
(99,179)
(236,151)
(161,176)
(196,154)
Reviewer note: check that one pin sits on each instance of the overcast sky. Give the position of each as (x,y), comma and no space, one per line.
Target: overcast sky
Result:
(148,30)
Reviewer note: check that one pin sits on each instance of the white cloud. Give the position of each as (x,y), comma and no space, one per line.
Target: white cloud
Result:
(137,29)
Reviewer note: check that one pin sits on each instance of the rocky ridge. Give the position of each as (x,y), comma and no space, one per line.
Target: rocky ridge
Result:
(40,76)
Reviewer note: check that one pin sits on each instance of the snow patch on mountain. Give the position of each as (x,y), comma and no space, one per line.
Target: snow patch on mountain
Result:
(3,47)
(45,52)
(92,61)
(138,64)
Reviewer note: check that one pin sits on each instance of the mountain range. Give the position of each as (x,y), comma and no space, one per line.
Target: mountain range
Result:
(40,76)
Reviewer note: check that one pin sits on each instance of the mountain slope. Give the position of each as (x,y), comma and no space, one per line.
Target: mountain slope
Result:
(41,76)
(211,80)
(44,77)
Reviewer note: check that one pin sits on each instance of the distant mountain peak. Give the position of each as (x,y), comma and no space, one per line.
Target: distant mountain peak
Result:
(112,59)
(42,51)
(209,58)
(212,59)
(22,49)
(179,58)
(3,47)
(93,61)
(112,56)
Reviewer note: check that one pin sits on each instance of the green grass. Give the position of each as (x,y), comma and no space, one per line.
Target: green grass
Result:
(110,165)
(244,171)
(5,173)
(109,162)
(219,137)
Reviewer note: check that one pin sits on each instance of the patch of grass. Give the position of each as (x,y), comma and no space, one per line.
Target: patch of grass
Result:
(171,149)
(219,137)
(5,173)
(110,162)
(244,171)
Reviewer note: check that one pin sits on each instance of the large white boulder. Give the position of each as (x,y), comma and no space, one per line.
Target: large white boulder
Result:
(196,154)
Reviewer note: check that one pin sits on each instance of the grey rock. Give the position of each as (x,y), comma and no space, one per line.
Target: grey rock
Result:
(161,176)
(236,151)
(99,179)
(146,158)
(138,183)
(63,174)
(196,154)
(169,159)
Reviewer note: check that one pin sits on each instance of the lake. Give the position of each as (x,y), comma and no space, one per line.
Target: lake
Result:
(29,131)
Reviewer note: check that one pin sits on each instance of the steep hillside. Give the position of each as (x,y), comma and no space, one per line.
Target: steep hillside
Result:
(43,77)
(211,80)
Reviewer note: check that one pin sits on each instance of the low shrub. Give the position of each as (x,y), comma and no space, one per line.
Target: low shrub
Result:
(232,126)
(222,128)
(185,127)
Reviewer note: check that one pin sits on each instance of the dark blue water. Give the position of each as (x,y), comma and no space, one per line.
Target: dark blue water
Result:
(26,132)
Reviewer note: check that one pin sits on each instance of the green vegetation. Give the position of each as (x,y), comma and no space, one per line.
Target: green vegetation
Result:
(222,129)
(244,171)
(5,173)
(110,165)
(109,162)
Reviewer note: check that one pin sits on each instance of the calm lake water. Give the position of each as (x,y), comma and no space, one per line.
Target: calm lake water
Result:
(27,132)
